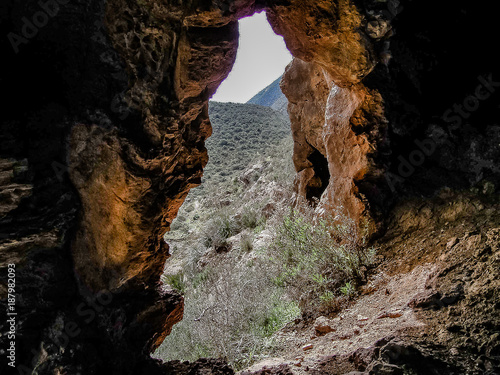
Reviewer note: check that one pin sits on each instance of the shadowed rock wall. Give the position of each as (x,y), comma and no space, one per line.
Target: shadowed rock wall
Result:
(403,106)
(102,138)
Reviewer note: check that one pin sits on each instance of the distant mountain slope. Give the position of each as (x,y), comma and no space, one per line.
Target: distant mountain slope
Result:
(240,133)
(219,241)
(272,97)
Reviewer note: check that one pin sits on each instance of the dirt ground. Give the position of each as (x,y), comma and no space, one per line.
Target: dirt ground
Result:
(430,306)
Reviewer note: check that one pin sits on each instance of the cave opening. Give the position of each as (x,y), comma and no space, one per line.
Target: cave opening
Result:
(261,58)
(321,178)
(248,177)
(248,112)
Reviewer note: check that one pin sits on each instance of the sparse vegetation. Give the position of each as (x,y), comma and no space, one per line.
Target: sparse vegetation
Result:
(317,257)
(176,281)
(241,134)
(252,217)
(251,264)
(232,306)
(219,229)
(348,290)
(232,310)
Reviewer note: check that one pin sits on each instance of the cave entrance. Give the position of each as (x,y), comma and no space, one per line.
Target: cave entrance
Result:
(321,178)
(261,58)
(249,173)
(248,112)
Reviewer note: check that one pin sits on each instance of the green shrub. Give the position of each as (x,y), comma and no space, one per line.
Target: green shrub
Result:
(316,257)
(348,290)
(276,316)
(176,281)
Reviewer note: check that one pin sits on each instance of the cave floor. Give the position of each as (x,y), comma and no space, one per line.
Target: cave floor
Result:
(435,288)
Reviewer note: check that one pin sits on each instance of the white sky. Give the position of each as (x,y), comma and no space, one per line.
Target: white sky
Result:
(261,59)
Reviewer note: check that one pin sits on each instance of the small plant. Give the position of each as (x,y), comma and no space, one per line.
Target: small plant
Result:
(348,290)
(202,277)
(246,243)
(330,302)
(251,218)
(176,281)
(327,297)
(219,229)
(320,279)
(275,317)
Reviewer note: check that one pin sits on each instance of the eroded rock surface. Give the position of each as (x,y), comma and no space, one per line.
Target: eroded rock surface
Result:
(400,118)
(95,167)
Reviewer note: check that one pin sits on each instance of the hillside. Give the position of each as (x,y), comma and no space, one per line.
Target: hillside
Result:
(241,132)
(243,136)
(222,223)
(219,262)
(272,97)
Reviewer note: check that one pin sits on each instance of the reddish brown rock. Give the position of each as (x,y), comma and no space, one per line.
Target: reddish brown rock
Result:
(323,325)
(331,150)
(322,31)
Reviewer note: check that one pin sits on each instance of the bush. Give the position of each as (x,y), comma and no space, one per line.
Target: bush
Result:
(219,229)
(316,257)
(231,311)
(246,243)
(175,281)
(276,316)
(251,217)
(348,290)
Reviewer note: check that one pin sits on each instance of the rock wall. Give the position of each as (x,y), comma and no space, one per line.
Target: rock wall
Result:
(103,136)
(404,106)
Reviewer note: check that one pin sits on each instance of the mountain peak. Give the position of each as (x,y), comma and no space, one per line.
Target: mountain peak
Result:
(272,96)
